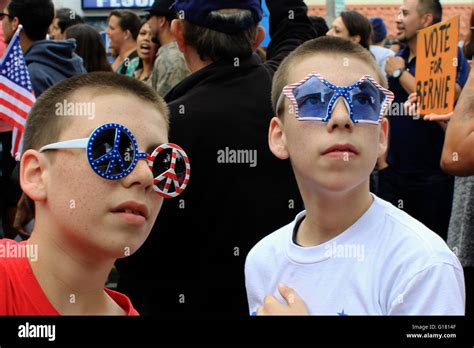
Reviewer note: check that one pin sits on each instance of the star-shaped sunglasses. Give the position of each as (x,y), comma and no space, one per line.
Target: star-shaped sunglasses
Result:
(314,98)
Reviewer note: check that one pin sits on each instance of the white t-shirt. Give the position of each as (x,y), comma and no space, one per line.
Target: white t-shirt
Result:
(381,54)
(386,263)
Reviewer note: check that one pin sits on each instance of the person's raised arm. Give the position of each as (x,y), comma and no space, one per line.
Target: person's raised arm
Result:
(458,155)
(289,28)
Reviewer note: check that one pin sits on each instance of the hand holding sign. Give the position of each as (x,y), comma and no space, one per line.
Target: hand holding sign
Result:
(436,67)
(412,108)
(295,306)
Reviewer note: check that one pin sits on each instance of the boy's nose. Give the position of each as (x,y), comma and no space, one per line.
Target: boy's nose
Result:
(340,117)
(141,175)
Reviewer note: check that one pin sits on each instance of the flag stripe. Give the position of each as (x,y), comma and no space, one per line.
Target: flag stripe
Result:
(8,116)
(14,101)
(16,91)
(13,108)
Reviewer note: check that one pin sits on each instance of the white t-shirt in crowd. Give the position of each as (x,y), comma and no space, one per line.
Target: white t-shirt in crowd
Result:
(381,54)
(386,263)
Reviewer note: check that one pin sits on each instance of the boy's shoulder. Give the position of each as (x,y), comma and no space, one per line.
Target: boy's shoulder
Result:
(410,241)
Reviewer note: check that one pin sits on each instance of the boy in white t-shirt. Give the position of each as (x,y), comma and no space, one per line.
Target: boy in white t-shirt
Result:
(349,253)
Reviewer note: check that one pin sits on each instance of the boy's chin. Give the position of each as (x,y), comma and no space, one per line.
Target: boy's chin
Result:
(339,186)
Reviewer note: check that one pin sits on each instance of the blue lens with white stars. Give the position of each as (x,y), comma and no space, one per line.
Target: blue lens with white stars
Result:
(112,151)
(314,98)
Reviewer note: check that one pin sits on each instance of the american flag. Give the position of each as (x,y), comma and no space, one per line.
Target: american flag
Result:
(16,92)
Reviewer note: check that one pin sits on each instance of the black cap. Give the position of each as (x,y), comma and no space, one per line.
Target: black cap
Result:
(197,12)
(162,8)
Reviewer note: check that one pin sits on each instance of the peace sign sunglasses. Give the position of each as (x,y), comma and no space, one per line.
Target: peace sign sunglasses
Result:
(112,152)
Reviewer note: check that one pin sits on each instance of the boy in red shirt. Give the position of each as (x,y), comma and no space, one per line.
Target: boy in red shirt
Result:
(97,183)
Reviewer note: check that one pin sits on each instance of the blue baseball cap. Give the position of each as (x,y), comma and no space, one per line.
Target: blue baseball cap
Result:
(197,12)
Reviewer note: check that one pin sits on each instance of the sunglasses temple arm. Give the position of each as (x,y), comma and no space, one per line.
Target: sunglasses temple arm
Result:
(68,144)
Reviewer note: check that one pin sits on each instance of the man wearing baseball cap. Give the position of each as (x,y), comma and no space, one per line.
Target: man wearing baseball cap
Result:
(170,67)
(239,192)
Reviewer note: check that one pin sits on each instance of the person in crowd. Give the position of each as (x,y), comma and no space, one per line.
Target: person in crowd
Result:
(63,19)
(393,261)
(353,26)
(220,114)
(48,62)
(377,47)
(413,180)
(122,30)
(89,46)
(457,159)
(170,67)
(142,66)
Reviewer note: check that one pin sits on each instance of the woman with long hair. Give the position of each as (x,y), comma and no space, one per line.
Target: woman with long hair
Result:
(89,46)
(141,67)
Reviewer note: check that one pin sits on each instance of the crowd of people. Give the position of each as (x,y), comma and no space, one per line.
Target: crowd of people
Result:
(275,136)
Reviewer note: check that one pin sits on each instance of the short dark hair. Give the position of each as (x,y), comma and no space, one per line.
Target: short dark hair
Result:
(43,127)
(358,24)
(321,45)
(128,20)
(34,15)
(89,46)
(67,18)
(216,45)
(431,6)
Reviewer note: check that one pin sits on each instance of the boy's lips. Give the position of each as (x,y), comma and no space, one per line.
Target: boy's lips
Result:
(132,210)
(341,148)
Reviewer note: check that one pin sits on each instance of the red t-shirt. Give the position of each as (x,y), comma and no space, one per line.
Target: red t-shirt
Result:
(20,292)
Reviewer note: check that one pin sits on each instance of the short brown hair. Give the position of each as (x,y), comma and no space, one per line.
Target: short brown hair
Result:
(431,6)
(325,45)
(43,127)
(215,45)
(128,20)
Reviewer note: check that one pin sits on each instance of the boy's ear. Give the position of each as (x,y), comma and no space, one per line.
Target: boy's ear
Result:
(277,139)
(32,178)
(383,137)
(177,30)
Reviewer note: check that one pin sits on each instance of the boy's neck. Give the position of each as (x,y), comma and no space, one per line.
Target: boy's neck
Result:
(72,282)
(329,214)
